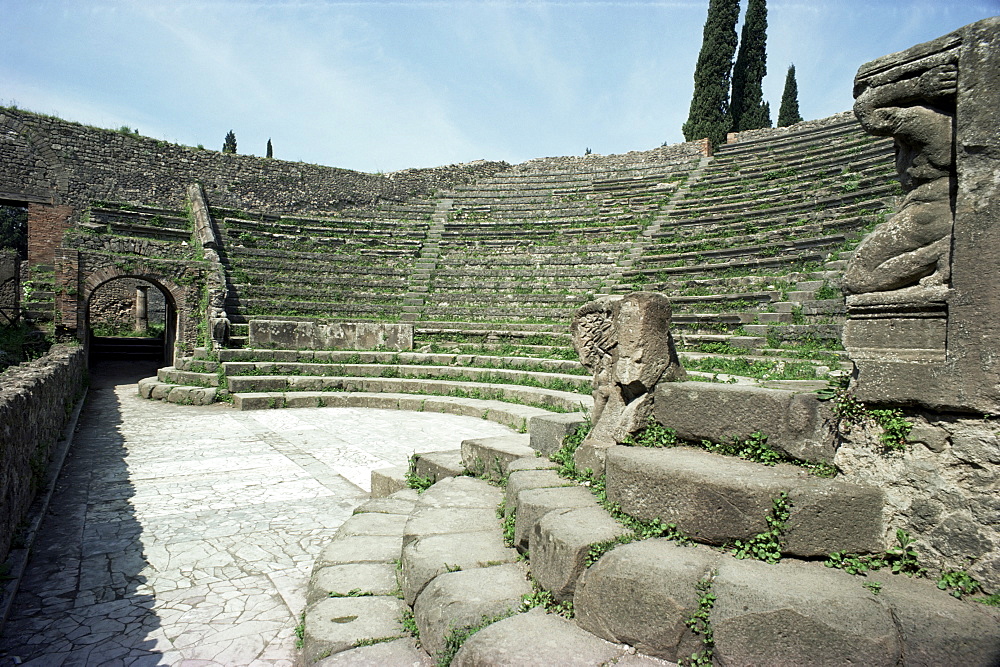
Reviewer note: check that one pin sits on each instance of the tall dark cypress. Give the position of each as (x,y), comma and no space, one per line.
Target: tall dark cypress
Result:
(747,106)
(229,146)
(788,114)
(270,149)
(709,114)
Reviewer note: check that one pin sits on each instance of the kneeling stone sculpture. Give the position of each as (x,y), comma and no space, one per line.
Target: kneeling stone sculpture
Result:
(625,342)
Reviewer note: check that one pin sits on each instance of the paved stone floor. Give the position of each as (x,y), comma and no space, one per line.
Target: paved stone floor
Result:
(183,535)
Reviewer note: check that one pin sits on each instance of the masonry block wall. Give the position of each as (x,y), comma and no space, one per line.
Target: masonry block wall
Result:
(74,164)
(46,226)
(35,402)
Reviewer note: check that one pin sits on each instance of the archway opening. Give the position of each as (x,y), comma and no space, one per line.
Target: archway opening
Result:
(130,318)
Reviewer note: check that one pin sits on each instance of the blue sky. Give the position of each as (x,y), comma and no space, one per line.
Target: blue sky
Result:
(381,86)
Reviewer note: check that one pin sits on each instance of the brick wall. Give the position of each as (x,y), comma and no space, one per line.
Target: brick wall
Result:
(46,226)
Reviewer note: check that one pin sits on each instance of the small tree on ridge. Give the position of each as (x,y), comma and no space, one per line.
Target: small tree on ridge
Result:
(788,114)
(230,144)
(270,151)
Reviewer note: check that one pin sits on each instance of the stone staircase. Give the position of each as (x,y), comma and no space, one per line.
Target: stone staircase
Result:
(647,576)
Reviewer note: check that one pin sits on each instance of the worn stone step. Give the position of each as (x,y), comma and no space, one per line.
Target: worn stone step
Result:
(537,638)
(175,376)
(489,457)
(438,465)
(463,598)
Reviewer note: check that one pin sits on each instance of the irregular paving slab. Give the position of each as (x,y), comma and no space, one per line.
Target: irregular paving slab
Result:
(535,638)
(427,557)
(337,624)
(349,579)
(560,543)
(796,613)
(397,653)
(533,504)
(718,499)
(458,599)
(643,593)
(489,456)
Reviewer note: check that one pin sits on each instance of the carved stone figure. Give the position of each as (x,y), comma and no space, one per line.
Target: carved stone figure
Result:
(923,290)
(626,343)
(913,246)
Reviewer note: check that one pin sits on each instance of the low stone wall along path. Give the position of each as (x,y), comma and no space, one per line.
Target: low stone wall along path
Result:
(185,535)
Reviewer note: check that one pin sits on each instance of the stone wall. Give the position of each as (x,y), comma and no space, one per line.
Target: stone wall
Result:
(35,401)
(778,132)
(942,489)
(74,164)
(678,153)
(10,286)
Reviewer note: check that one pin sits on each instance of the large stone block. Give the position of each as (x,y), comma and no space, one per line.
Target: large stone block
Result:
(533,504)
(535,638)
(549,431)
(798,424)
(462,598)
(795,613)
(560,543)
(360,549)
(718,499)
(521,480)
(460,492)
(439,520)
(342,579)
(642,593)
(294,335)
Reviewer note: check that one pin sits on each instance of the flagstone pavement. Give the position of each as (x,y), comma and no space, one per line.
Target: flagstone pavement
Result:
(184,535)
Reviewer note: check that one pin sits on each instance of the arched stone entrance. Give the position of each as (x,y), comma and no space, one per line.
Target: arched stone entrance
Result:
(178,333)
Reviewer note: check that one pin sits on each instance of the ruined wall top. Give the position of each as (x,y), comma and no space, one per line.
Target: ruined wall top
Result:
(56,161)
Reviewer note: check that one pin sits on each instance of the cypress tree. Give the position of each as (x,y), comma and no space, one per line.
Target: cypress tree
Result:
(230,144)
(270,151)
(709,114)
(747,107)
(788,114)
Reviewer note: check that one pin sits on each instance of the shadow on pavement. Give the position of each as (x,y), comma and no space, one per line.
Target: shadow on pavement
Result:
(79,602)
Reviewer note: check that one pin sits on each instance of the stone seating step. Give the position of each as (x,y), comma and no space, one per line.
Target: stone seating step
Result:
(153,388)
(417,358)
(500,328)
(644,592)
(307,391)
(513,415)
(176,376)
(488,458)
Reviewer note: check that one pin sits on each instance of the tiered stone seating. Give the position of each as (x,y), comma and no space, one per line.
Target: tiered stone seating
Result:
(761,238)
(138,221)
(354,267)
(532,244)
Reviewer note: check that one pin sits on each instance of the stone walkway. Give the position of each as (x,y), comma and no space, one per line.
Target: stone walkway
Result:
(182,535)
